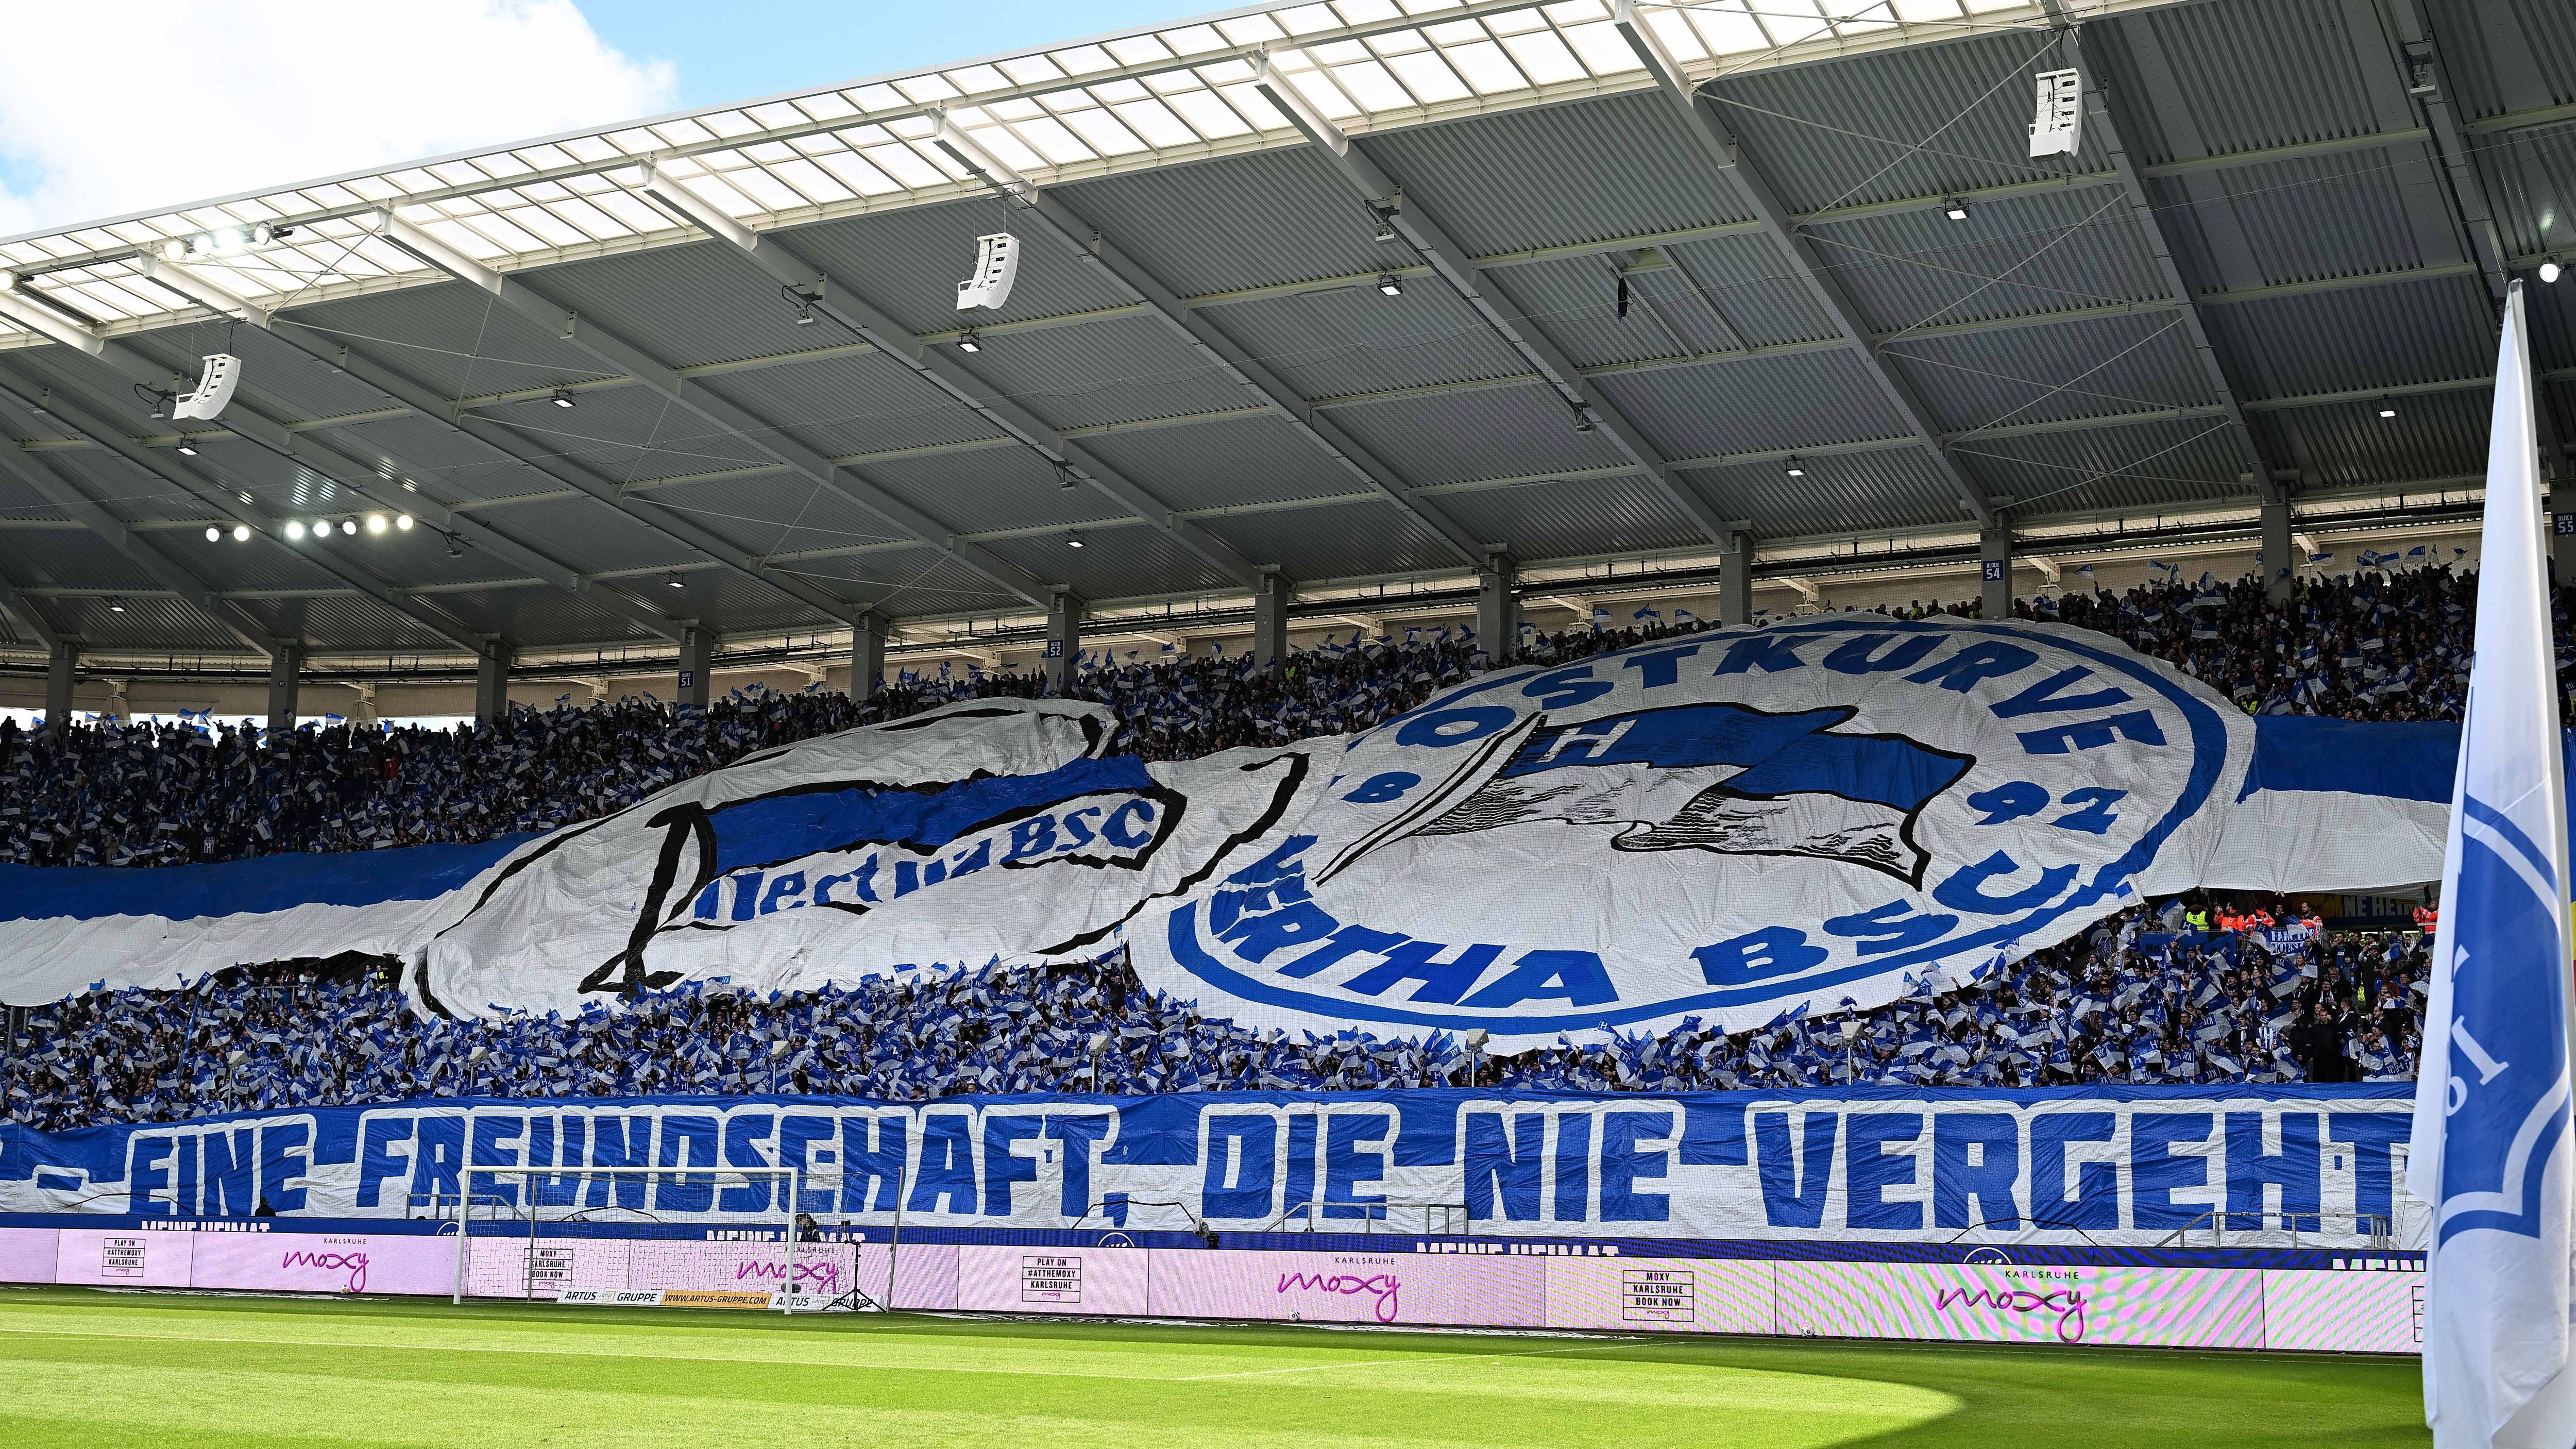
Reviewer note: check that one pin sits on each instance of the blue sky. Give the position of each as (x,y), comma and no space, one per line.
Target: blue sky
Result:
(746,48)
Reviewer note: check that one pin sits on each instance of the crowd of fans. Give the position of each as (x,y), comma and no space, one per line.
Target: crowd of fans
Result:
(2138,999)
(2142,998)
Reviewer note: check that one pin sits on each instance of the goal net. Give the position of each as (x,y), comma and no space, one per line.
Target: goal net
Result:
(708,1237)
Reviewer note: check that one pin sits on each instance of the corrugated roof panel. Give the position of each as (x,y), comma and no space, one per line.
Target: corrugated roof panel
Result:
(2312,342)
(1752,287)
(2507,55)
(150,622)
(1582,518)
(453,340)
(1115,563)
(1259,459)
(1328,344)
(2273,74)
(1883,488)
(2312,217)
(845,405)
(991,488)
(64,559)
(2098,367)
(917,581)
(2142,465)
(1108,372)
(1266,219)
(1586,171)
(537,618)
(1895,124)
(1364,539)
(2439,435)
(1765,402)
(2018,257)
(1502,433)
(628,434)
(1577,300)
(2531,184)
(908,264)
(685,305)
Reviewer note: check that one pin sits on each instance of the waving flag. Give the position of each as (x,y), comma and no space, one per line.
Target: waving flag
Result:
(2491,1147)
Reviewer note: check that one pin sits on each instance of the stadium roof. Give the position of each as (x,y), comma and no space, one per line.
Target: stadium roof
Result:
(1352,292)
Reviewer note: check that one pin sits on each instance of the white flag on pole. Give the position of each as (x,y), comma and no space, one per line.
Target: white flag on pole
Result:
(2491,1143)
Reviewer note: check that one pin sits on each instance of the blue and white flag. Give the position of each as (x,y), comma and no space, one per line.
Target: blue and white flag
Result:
(2490,1148)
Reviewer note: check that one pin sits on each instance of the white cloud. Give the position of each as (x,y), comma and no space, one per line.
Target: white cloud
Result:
(105,111)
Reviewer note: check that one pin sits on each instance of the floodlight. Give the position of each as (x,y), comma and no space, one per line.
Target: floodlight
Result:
(375,523)
(1072,540)
(563,397)
(213,534)
(2387,409)
(1388,286)
(2549,271)
(673,582)
(241,533)
(116,606)
(1956,208)
(967,341)
(294,528)
(403,522)
(1797,469)
(348,525)
(187,450)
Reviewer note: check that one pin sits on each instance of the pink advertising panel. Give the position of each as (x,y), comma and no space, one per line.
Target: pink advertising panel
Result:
(1350,1287)
(27,1254)
(2353,1311)
(1659,1295)
(924,1275)
(124,1258)
(2138,1307)
(1052,1280)
(325,1263)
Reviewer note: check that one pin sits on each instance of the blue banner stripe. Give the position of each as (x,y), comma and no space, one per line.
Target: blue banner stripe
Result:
(237,887)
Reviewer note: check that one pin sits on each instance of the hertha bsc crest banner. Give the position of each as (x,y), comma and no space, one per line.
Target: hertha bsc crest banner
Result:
(1725,825)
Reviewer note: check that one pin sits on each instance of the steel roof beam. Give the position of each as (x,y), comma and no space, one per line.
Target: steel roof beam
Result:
(248,418)
(717,412)
(1484,293)
(39,473)
(1727,152)
(2109,130)
(850,309)
(2428,87)
(1210,341)
(20,607)
(79,418)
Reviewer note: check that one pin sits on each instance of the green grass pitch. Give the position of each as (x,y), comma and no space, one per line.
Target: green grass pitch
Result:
(112,1370)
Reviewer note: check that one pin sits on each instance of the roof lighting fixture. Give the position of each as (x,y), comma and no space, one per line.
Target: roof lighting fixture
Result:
(455,546)
(1064,478)
(115,605)
(1072,539)
(1582,417)
(241,533)
(967,341)
(348,525)
(375,523)
(403,522)
(2549,271)
(294,528)
(213,534)
(2387,409)
(1385,216)
(187,450)
(1388,286)
(673,581)
(1796,469)
(563,397)
(1955,208)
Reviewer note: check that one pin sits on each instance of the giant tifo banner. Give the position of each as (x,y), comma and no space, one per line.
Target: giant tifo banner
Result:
(1727,826)
(2108,1165)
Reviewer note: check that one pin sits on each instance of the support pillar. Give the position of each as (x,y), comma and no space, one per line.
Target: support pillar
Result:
(62,675)
(1994,569)
(2280,558)
(1735,580)
(492,682)
(867,655)
(1270,622)
(285,662)
(1064,641)
(2562,542)
(1498,610)
(697,651)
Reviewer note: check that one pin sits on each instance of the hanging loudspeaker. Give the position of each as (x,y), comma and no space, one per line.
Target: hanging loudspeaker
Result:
(2058,128)
(223,374)
(997,265)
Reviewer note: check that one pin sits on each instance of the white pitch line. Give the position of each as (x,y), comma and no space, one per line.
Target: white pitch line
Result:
(1424,1360)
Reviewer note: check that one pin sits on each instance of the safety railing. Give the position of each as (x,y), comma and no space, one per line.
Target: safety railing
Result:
(2273,1229)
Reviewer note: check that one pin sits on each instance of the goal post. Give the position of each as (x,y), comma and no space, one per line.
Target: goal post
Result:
(719,1237)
